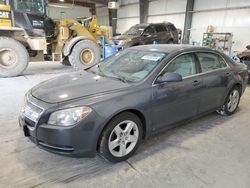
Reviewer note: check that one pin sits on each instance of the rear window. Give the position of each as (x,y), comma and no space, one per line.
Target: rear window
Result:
(210,61)
(171,27)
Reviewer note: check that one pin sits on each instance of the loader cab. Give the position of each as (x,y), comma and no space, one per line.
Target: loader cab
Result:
(30,15)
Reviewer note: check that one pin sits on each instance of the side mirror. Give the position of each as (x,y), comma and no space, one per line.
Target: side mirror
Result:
(169,77)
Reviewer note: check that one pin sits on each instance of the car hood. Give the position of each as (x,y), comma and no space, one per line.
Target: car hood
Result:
(76,85)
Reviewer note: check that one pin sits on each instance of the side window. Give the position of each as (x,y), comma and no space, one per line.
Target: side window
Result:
(172,27)
(149,30)
(183,65)
(210,61)
(222,61)
(160,28)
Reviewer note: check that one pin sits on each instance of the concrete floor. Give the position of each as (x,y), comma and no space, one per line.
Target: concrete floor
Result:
(212,151)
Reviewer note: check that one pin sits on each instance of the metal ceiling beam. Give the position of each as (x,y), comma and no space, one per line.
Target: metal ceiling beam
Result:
(188,21)
(113,19)
(104,2)
(143,4)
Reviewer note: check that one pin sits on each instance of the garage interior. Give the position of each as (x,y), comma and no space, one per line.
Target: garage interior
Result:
(211,151)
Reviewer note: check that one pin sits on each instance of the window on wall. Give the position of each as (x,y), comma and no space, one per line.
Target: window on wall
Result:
(210,61)
(183,65)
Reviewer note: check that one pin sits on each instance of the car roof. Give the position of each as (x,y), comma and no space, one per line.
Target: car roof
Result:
(148,24)
(169,48)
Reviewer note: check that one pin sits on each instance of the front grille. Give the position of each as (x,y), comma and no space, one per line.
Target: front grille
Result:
(31,113)
(29,122)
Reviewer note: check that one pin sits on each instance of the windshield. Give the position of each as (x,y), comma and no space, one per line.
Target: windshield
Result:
(135,30)
(34,6)
(129,65)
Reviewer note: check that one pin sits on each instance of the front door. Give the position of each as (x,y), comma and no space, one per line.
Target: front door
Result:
(149,35)
(176,101)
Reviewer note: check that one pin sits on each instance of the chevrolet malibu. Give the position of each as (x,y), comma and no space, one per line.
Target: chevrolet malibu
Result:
(111,107)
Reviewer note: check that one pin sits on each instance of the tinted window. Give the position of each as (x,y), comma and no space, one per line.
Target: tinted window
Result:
(183,65)
(150,30)
(171,27)
(36,6)
(210,61)
(135,30)
(160,28)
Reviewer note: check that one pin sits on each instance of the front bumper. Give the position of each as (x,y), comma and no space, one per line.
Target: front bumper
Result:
(79,140)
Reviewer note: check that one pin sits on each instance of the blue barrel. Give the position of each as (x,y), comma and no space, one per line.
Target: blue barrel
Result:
(110,50)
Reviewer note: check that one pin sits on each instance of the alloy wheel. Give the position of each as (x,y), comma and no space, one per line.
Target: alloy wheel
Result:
(123,138)
(233,100)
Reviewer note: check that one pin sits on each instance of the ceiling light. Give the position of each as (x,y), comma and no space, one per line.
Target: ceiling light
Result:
(113,5)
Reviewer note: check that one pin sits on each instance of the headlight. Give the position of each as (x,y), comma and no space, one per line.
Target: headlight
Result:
(69,116)
(122,42)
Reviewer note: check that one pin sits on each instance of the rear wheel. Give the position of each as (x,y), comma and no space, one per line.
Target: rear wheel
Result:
(171,41)
(14,57)
(232,102)
(66,61)
(121,137)
(84,54)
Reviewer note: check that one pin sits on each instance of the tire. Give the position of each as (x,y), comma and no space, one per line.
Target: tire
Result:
(170,41)
(66,62)
(122,147)
(14,57)
(232,102)
(76,58)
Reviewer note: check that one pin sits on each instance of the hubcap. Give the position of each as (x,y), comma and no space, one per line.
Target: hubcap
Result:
(8,58)
(87,56)
(123,138)
(233,100)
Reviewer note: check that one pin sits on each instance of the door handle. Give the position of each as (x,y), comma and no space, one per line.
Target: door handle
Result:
(196,83)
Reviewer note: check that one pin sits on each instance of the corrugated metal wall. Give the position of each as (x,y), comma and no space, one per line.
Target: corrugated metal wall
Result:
(70,11)
(231,19)
(102,14)
(225,15)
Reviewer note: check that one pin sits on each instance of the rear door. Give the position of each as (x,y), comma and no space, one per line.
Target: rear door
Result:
(163,35)
(176,101)
(215,74)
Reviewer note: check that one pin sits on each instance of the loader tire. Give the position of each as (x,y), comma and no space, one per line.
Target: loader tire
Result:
(66,62)
(84,54)
(14,57)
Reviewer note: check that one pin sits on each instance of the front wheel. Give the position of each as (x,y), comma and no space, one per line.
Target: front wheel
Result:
(121,137)
(232,102)
(14,57)
(84,54)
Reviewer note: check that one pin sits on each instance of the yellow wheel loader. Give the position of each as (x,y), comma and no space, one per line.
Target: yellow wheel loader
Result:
(26,33)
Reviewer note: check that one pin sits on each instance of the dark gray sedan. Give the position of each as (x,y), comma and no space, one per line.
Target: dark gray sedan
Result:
(112,106)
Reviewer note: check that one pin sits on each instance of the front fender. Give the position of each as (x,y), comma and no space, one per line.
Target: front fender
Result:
(71,43)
